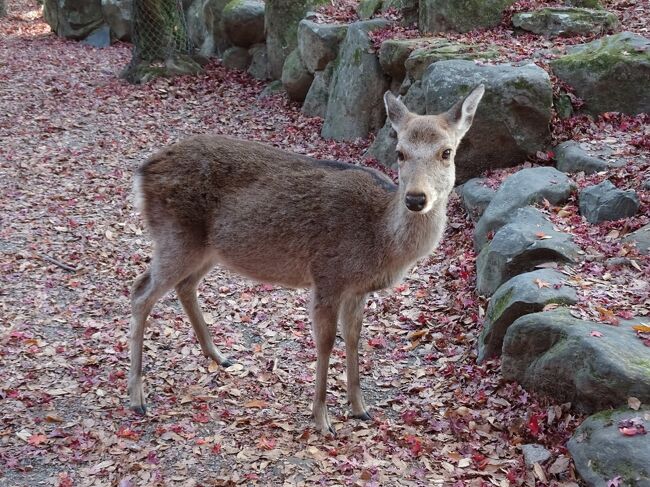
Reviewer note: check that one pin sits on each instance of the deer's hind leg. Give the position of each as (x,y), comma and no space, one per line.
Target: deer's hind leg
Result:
(170,264)
(186,290)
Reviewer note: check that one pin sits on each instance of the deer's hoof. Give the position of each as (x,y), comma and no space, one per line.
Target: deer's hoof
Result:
(227,363)
(364,416)
(141,410)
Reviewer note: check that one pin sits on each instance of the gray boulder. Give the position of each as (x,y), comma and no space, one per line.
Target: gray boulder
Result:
(259,67)
(594,4)
(296,79)
(408,8)
(383,147)
(605,201)
(73,19)
(566,21)
(512,121)
(205,26)
(100,37)
(393,54)
(521,245)
(436,50)
(571,159)
(601,452)
(641,239)
(523,188)
(521,295)
(236,58)
(319,43)
(534,454)
(610,74)
(315,104)
(118,14)
(355,107)
(444,15)
(476,196)
(591,365)
(243,22)
(368,8)
(281,20)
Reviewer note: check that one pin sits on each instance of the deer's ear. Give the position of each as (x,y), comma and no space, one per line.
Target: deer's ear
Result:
(461,115)
(397,112)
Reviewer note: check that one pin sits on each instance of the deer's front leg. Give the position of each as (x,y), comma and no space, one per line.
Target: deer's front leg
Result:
(351,320)
(324,316)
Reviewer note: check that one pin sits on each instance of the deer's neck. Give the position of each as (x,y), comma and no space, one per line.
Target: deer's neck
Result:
(415,235)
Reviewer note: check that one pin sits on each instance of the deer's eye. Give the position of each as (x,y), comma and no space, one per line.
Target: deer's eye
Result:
(400,156)
(446,154)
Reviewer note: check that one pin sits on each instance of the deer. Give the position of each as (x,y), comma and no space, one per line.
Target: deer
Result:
(286,219)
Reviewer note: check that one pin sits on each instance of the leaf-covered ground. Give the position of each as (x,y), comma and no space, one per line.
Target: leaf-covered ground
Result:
(71,135)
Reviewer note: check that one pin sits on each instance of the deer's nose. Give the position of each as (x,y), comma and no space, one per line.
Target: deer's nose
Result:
(415,201)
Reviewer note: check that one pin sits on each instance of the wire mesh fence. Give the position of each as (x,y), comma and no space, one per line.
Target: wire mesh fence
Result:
(161,42)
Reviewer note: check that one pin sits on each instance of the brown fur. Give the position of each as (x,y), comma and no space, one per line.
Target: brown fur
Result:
(287,219)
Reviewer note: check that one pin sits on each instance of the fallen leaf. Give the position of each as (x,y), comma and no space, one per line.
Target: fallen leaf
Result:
(540,283)
(256,403)
(634,403)
(539,473)
(595,333)
(36,440)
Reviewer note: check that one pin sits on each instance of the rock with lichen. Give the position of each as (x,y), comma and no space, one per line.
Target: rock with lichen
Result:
(566,21)
(610,74)
(445,15)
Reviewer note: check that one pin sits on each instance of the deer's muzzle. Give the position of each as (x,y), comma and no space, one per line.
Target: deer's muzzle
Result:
(415,201)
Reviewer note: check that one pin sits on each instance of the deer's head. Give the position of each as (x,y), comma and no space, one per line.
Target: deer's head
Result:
(426,146)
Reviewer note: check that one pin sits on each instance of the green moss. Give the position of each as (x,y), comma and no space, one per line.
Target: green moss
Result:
(605,416)
(603,55)
(644,363)
(595,4)
(498,306)
(357,56)
(232,5)
(563,106)
(368,8)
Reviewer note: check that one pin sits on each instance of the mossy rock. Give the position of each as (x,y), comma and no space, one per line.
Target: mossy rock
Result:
(601,452)
(368,8)
(610,74)
(296,79)
(555,354)
(461,16)
(315,104)
(237,58)
(595,4)
(358,83)
(319,43)
(516,248)
(243,22)
(442,50)
(563,106)
(512,120)
(566,21)
(73,19)
(144,71)
(281,22)
(393,54)
(517,297)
